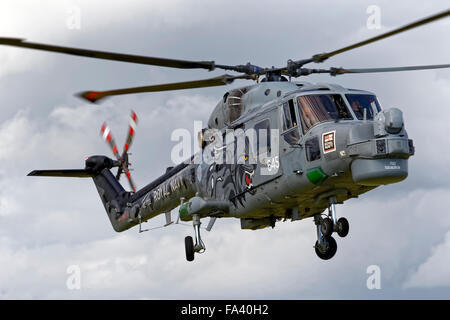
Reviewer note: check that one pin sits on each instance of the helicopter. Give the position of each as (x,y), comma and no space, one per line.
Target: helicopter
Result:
(274,150)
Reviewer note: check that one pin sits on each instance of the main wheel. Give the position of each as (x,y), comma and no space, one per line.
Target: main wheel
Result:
(328,251)
(189,246)
(326,226)
(342,227)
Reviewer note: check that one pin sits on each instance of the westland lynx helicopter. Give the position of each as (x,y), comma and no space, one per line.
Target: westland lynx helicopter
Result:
(333,144)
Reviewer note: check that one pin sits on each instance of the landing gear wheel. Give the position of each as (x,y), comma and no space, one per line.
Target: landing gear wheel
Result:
(189,246)
(342,227)
(326,226)
(327,250)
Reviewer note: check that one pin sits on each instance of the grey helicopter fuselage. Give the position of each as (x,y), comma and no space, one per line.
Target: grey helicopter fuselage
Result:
(274,150)
(342,155)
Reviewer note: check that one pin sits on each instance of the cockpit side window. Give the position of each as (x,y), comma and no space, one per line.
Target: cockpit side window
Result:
(289,117)
(290,129)
(361,103)
(314,109)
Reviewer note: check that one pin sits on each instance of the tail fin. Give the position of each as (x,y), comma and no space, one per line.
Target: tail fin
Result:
(114,197)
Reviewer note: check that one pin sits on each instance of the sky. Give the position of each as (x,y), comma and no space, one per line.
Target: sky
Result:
(47,225)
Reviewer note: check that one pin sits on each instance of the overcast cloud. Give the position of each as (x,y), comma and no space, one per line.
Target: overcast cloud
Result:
(47,224)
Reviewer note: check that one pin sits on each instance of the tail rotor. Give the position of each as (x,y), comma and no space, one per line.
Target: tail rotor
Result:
(123,159)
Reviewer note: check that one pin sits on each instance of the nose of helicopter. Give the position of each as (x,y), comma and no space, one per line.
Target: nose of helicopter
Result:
(382,159)
(376,172)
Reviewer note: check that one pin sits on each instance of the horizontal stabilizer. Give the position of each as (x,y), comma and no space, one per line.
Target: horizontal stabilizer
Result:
(72,173)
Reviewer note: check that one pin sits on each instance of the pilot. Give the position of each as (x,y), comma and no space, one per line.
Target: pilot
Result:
(357,109)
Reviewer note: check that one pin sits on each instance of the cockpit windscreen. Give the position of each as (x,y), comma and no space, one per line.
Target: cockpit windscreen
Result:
(361,102)
(318,108)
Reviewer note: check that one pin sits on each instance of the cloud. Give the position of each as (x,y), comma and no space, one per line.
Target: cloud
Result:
(14,135)
(434,272)
(49,224)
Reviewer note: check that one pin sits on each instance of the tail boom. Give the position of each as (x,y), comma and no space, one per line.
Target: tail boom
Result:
(160,196)
(126,209)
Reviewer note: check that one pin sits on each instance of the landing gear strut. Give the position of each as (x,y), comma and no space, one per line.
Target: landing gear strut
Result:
(326,246)
(199,246)
(341,226)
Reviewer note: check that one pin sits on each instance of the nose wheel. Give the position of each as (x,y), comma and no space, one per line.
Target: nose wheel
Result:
(342,227)
(326,226)
(327,249)
(326,245)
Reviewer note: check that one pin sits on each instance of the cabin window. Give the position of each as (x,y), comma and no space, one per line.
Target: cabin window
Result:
(361,102)
(315,109)
(312,149)
(233,104)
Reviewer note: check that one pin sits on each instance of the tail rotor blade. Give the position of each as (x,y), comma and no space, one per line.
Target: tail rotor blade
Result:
(128,142)
(123,163)
(131,131)
(132,185)
(107,136)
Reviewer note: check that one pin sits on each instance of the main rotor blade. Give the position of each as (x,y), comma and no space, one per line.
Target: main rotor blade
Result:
(154,61)
(71,173)
(337,71)
(323,56)
(94,96)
